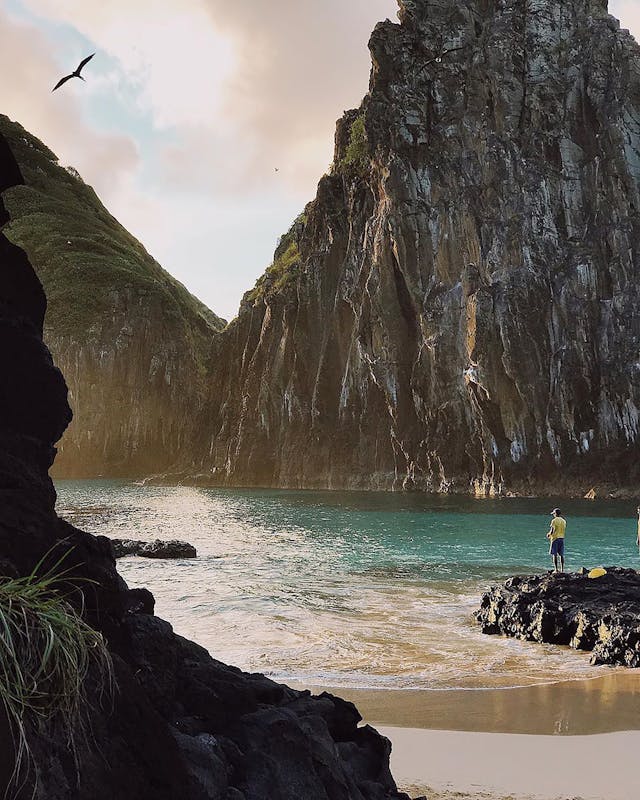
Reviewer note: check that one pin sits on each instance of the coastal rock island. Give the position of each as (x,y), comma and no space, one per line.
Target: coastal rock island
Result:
(128,336)
(458,309)
(600,615)
(162,720)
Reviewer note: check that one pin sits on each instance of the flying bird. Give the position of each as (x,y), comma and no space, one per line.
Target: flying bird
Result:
(74,74)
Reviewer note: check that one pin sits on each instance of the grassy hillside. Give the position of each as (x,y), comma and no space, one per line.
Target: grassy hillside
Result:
(132,342)
(78,249)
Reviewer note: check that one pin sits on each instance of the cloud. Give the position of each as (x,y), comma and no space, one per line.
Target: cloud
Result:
(169,53)
(56,119)
(248,85)
(299,65)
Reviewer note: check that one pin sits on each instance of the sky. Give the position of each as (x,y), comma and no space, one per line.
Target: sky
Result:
(189,108)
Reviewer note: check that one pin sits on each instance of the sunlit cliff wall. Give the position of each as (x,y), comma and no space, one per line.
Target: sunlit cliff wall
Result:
(458,309)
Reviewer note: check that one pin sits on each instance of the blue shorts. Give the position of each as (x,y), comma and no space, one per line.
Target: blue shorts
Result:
(557,548)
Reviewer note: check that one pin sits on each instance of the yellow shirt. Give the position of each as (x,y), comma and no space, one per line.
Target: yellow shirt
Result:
(558,527)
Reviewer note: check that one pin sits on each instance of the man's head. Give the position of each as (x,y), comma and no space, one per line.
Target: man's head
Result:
(555,512)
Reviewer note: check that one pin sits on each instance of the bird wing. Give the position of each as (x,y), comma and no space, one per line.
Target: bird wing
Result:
(61,81)
(84,61)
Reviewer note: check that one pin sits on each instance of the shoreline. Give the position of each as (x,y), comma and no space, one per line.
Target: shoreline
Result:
(601,705)
(603,492)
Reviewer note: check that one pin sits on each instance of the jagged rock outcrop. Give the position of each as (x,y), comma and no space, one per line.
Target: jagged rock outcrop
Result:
(131,340)
(172,548)
(177,724)
(602,615)
(457,310)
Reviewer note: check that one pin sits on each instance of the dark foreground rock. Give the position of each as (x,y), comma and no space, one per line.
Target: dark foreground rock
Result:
(177,724)
(602,615)
(155,549)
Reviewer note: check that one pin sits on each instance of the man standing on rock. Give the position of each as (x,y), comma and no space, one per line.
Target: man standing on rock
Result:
(556,537)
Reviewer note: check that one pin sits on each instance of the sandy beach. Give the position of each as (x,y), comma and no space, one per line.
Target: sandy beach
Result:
(569,740)
(454,763)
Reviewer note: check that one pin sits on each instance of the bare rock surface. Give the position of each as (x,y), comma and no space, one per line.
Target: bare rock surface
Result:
(601,615)
(172,548)
(458,309)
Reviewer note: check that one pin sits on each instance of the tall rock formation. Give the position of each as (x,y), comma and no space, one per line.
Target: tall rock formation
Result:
(458,309)
(174,724)
(131,340)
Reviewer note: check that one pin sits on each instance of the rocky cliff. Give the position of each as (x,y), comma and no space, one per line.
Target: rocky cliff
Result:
(457,310)
(174,724)
(131,340)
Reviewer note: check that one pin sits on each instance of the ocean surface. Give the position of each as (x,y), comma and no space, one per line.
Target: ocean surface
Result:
(351,589)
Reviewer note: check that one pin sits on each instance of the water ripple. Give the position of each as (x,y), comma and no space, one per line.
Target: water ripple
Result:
(348,589)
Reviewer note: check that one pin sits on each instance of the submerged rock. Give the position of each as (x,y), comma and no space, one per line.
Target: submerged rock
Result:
(172,548)
(601,615)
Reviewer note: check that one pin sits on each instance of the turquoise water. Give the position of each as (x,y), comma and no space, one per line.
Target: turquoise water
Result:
(351,589)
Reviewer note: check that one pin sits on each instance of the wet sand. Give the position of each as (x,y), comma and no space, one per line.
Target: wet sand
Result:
(575,739)
(601,705)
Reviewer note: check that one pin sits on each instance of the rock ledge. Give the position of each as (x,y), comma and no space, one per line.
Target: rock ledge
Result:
(600,615)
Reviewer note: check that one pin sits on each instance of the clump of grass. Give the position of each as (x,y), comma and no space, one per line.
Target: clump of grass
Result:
(285,267)
(283,271)
(357,156)
(46,653)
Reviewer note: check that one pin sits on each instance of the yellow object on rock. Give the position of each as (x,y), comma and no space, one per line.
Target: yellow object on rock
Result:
(598,572)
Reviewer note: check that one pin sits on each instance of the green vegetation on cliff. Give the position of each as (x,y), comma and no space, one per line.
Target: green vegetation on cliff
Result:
(80,252)
(285,267)
(357,156)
